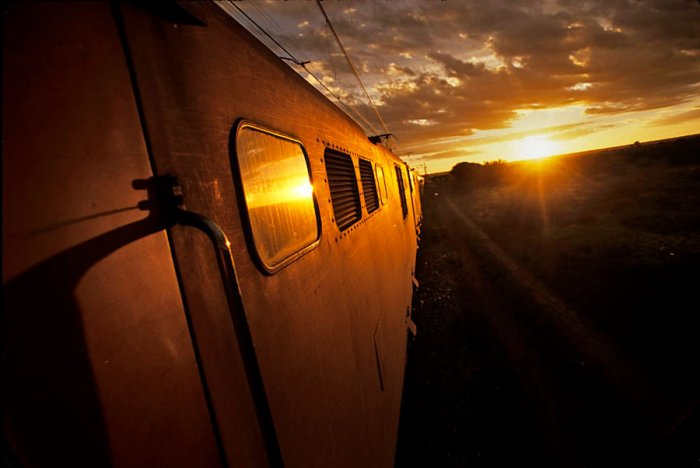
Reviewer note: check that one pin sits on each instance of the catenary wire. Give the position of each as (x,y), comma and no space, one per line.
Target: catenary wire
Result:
(352,67)
(293,59)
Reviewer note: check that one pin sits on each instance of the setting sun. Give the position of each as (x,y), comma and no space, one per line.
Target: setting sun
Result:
(535,147)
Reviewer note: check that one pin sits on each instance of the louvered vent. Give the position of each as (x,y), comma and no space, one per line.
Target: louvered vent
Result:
(369,186)
(343,185)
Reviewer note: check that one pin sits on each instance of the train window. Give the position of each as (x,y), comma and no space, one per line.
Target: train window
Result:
(381,182)
(343,185)
(369,185)
(276,183)
(402,191)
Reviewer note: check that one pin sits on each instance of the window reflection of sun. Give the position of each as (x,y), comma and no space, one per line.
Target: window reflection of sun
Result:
(284,191)
(536,147)
(302,190)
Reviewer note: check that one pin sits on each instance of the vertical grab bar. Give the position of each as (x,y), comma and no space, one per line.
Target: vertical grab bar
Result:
(227,268)
(165,205)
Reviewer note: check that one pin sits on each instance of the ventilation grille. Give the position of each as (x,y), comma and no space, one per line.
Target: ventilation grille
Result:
(369,186)
(343,185)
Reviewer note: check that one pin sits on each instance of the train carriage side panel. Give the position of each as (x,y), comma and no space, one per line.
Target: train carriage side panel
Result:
(98,97)
(329,328)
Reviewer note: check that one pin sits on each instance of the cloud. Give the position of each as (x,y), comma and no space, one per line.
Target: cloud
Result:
(678,119)
(465,66)
(436,155)
(455,67)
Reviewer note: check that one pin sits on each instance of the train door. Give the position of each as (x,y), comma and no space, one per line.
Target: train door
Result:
(99,368)
(184,85)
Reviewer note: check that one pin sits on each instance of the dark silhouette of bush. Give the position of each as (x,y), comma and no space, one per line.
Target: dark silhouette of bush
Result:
(467,175)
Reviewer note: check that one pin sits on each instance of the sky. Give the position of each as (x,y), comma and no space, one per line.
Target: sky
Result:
(468,80)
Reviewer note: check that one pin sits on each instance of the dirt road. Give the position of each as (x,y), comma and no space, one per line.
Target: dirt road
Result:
(505,373)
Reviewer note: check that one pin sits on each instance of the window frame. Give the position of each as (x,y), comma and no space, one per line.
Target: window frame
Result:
(401,187)
(243,210)
(383,195)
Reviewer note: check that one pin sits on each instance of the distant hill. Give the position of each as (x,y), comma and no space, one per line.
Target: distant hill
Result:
(675,152)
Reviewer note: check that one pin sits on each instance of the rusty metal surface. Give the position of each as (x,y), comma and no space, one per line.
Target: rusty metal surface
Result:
(98,366)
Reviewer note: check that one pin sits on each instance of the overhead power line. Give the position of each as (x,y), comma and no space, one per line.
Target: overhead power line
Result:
(356,114)
(282,36)
(352,67)
(303,64)
(291,56)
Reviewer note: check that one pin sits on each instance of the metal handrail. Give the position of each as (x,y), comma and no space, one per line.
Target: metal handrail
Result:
(227,268)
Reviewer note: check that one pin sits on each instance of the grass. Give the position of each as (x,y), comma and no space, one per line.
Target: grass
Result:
(615,233)
(495,377)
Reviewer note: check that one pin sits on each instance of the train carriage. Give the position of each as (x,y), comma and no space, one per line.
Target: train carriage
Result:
(205,262)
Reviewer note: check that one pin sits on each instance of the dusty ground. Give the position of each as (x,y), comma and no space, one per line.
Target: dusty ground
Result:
(534,354)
